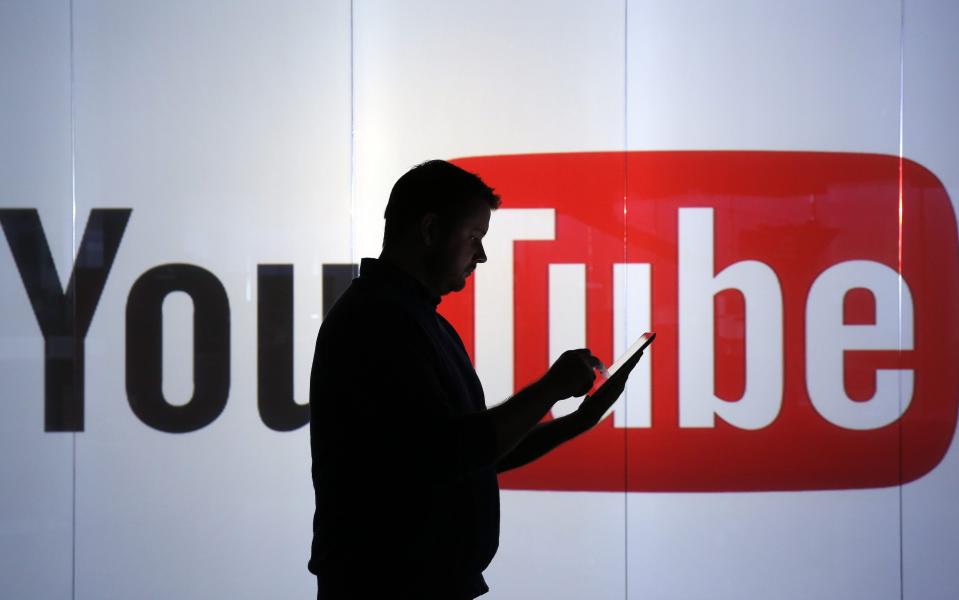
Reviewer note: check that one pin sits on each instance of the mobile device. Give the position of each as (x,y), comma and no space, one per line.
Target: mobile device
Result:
(638,346)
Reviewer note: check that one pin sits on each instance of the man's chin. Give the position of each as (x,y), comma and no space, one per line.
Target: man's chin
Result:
(458,285)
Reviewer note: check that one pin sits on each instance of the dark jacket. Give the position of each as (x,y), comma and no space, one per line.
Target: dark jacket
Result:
(407,502)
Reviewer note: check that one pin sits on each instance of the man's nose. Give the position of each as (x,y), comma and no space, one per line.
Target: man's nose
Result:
(481,255)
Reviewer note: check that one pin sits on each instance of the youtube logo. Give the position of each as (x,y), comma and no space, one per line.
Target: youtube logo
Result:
(803,304)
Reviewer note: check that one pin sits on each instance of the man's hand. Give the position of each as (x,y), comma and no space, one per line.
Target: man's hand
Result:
(572,374)
(594,407)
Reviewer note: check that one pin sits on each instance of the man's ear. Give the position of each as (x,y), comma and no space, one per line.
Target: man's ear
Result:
(428,228)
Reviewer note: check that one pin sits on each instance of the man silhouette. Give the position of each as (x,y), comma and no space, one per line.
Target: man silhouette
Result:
(405,452)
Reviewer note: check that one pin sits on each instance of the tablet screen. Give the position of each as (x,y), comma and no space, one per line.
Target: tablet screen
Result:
(638,346)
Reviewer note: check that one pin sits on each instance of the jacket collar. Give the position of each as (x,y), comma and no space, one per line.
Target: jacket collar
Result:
(385,273)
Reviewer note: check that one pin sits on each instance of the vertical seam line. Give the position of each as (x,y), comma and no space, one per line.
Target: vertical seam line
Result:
(625,247)
(902,19)
(73,231)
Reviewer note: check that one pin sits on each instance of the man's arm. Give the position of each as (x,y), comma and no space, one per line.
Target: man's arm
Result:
(544,437)
(571,375)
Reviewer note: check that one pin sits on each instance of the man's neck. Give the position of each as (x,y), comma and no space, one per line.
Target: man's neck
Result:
(409,264)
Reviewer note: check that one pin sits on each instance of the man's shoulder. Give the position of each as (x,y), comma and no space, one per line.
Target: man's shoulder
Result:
(365,328)
(364,310)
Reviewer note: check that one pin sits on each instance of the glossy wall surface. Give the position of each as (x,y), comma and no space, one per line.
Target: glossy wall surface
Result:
(771,186)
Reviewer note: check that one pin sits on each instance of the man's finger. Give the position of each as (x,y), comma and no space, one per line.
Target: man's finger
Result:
(592,360)
(584,390)
(595,362)
(586,354)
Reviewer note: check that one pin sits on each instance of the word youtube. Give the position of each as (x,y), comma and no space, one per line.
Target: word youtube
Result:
(801,302)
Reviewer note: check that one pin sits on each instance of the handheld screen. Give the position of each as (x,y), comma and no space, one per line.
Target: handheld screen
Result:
(638,346)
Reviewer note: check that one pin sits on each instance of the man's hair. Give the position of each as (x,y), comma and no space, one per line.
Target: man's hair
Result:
(438,187)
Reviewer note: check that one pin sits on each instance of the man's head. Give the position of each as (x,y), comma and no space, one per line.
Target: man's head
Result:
(436,218)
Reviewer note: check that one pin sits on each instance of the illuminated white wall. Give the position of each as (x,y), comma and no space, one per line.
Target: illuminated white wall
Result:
(251,133)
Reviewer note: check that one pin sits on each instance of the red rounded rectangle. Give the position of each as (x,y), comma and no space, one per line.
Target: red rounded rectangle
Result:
(797,213)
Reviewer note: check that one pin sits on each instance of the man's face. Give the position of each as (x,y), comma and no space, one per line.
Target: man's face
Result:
(455,255)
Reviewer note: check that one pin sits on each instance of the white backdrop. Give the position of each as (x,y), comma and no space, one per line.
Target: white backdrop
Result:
(247,133)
